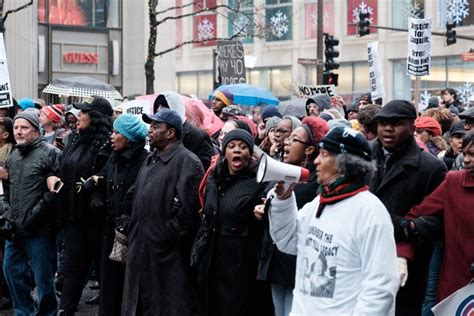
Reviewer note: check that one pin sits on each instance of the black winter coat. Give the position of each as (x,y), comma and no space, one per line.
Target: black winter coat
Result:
(162,226)
(225,251)
(411,174)
(33,209)
(84,155)
(197,141)
(276,266)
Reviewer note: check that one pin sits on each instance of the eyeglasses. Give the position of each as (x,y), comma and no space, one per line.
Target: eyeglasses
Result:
(282,130)
(290,140)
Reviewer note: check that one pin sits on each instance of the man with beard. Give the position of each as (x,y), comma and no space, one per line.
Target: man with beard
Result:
(162,225)
(405,176)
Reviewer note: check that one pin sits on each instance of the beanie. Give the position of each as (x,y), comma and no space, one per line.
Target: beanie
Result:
(238,134)
(433,102)
(397,109)
(271,123)
(430,124)
(270,111)
(454,110)
(339,122)
(346,140)
(54,112)
(31,116)
(232,110)
(26,103)
(316,128)
(225,96)
(131,127)
(294,121)
(251,125)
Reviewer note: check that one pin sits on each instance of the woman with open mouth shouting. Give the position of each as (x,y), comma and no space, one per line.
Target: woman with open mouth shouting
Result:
(225,250)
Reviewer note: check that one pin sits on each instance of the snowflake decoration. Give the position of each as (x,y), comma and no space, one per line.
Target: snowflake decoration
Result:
(424,100)
(279,24)
(465,91)
(411,8)
(205,30)
(314,20)
(457,10)
(241,25)
(362,7)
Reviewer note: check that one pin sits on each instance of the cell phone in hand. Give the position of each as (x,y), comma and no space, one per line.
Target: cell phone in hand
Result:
(58,186)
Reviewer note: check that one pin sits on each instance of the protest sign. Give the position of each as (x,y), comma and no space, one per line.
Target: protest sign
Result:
(375,71)
(419,47)
(137,107)
(231,62)
(307,91)
(5,88)
(459,303)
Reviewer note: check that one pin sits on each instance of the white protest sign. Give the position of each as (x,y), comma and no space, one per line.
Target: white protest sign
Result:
(460,302)
(419,47)
(375,71)
(307,91)
(137,107)
(5,88)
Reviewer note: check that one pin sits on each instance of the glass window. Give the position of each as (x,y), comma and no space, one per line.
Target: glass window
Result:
(195,83)
(205,84)
(402,10)
(356,6)
(459,12)
(90,13)
(187,83)
(113,18)
(281,83)
(345,79)
(279,21)
(311,18)
(241,22)
(361,77)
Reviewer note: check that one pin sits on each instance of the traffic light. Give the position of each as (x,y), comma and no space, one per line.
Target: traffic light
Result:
(450,33)
(330,78)
(364,23)
(330,52)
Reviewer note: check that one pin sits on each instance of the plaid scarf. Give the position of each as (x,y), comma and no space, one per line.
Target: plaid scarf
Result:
(337,191)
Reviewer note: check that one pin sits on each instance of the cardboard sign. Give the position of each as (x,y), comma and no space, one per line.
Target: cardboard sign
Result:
(231,62)
(460,302)
(5,88)
(375,71)
(137,107)
(419,47)
(307,91)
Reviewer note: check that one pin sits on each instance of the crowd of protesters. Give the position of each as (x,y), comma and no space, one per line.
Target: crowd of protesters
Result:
(382,227)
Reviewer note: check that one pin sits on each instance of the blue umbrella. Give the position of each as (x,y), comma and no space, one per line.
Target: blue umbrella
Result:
(246,94)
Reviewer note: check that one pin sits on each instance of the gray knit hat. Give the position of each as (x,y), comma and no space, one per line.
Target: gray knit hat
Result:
(294,121)
(31,116)
(271,123)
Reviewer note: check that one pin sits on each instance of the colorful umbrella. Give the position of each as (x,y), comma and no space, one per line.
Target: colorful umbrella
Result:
(247,94)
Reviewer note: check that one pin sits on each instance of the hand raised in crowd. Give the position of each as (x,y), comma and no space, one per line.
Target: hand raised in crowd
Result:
(259,210)
(283,191)
(261,130)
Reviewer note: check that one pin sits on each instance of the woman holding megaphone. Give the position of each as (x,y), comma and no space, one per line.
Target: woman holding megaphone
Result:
(276,267)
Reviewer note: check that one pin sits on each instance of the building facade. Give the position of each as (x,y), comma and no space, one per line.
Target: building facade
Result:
(291,37)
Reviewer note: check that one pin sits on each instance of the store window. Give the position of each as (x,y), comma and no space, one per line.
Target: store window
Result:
(279,20)
(444,72)
(87,13)
(204,23)
(311,18)
(354,7)
(241,23)
(402,10)
(459,12)
(198,84)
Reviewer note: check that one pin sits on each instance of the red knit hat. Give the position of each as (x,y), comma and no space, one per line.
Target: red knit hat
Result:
(54,112)
(317,126)
(430,124)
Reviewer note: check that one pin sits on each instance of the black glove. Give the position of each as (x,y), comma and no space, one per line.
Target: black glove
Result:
(89,185)
(97,204)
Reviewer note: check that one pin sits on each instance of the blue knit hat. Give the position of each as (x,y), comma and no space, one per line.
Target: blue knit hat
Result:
(26,103)
(131,127)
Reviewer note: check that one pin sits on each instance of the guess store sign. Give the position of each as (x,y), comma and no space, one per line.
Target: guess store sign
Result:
(81,58)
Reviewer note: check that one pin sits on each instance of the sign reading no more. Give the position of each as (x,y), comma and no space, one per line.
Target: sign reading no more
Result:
(231,62)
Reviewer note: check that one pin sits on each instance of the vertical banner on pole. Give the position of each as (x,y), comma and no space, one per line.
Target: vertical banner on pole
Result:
(5,88)
(375,71)
(419,47)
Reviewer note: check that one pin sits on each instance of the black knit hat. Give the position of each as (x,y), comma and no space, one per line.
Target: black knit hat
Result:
(346,140)
(397,109)
(239,134)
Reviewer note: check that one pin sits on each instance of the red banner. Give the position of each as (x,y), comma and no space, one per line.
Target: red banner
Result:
(356,6)
(311,18)
(204,29)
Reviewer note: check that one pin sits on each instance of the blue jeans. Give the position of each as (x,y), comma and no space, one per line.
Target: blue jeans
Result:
(25,256)
(431,296)
(282,299)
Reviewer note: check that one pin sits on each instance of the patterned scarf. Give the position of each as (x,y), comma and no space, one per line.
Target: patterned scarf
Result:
(337,191)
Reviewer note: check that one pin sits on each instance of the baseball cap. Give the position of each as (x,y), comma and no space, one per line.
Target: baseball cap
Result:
(95,103)
(167,116)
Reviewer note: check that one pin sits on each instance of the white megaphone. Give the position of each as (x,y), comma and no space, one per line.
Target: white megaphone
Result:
(270,169)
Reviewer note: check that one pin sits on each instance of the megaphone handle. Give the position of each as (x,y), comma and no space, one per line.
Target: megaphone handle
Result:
(268,203)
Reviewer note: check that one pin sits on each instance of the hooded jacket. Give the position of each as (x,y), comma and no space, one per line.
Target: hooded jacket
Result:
(323,101)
